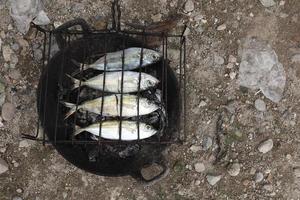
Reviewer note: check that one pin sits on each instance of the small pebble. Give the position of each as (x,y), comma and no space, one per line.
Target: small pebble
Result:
(206,143)
(199,167)
(258,177)
(3,166)
(234,169)
(260,105)
(232,75)
(197,182)
(19,190)
(218,60)
(156,18)
(252,171)
(297,172)
(7,52)
(268,187)
(296,58)
(222,27)
(189,6)
(265,146)
(8,111)
(195,148)
(212,180)
(232,59)
(268,3)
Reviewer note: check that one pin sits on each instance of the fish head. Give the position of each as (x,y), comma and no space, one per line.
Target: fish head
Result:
(148,81)
(151,56)
(147,130)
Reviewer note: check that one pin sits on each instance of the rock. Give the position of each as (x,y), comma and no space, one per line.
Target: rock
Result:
(202,104)
(234,169)
(218,60)
(24,11)
(252,171)
(199,167)
(296,58)
(8,111)
(206,143)
(41,18)
(195,148)
(297,172)
(3,166)
(15,74)
(197,182)
(221,27)
(268,3)
(100,23)
(260,105)
(7,52)
(268,187)
(212,180)
(189,6)
(14,61)
(258,177)
(64,194)
(265,146)
(19,190)
(260,69)
(24,144)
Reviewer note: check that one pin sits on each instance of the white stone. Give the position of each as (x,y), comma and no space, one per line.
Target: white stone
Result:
(202,104)
(265,146)
(268,3)
(221,27)
(41,18)
(232,75)
(156,18)
(199,167)
(189,6)
(260,105)
(3,166)
(232,59)
(258,177)
(234,169)
(212,180)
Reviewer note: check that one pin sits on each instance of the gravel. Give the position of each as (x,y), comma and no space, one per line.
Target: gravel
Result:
(260,105)
(234,169)
(3,166)
(8,111)
(265,146)
(212,180)
(199,167)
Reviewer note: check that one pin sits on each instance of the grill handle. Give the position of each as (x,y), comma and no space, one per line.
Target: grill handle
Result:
(59,31)
(148,182)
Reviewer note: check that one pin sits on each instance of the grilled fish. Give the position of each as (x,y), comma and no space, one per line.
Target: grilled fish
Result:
(110,130)
(113,82)
(112,106)
(132,60)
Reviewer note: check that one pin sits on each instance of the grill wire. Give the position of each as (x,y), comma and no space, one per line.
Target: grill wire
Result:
(48,36)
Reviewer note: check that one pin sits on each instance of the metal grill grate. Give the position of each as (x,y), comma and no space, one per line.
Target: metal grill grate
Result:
(66,38)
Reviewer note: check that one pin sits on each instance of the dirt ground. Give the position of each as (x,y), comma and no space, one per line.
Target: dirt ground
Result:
(39,172)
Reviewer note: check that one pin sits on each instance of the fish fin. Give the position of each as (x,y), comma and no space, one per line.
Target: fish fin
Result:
(78,130)
(72,108)
(75,81)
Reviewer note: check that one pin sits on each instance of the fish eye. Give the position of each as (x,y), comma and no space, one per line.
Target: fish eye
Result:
(148,127)
(149,82)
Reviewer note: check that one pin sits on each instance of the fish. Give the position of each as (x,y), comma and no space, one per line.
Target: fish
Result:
(110,130)
(113,82)
(132,60)
(112,106)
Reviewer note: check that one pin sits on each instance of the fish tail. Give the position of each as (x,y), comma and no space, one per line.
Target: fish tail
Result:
(72,108)
(78,130)
(78,64)
(75,81)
